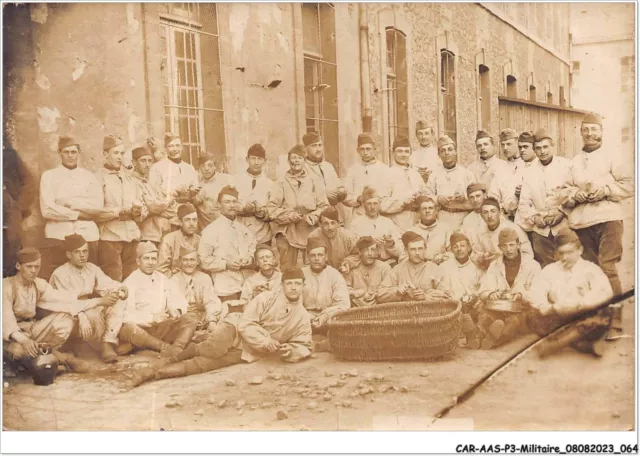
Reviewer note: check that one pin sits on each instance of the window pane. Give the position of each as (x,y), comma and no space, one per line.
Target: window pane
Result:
(208,17)
(331,143)
(401,57)
(179,36)
(210,66)
(310,28)
(402,109)
(391,54)
(327,32)
(189,43)
(329,95)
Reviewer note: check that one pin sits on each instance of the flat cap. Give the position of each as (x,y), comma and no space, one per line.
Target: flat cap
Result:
(425,199)
(331,213)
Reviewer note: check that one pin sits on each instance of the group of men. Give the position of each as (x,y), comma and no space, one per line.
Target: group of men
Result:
(209,269)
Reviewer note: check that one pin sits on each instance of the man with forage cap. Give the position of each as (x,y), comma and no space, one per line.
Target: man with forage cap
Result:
(295,204)
(339,240)
(154,316)
(364,280)
(458,273)
(254,187)
(425,157)
(526,142)
(541,198)
(86,281)
(273,324)
(380,228)
(210,181)
(433,230)
(404,185)
(161,209)
(268,276)
(70,198)
(473,223)
(23,333)
(487,166)
(367,172)
(168,253)
(503,186)
(226,250)
(413,279)
(448,185)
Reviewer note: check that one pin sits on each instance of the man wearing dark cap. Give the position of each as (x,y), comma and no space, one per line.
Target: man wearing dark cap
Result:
(162,208)
(168,258)
(86,281)
(425,157)
(339,240)
(210,182)
(404,185)
(503,186)
(473,223)
(24,336)
(274,324)
(70,198)
(510,150)
(541,198)
(569,286)
(364,280)
(458,273)
(413,279)
(368,172)
(432,229)
(254,187)
(226,250)
(448,185)
(485,244)
(487,165)
(268,276)
(325,291)
(295,204)
(171,175)
(600,179)
(380,228)
(123,209)
(527,153)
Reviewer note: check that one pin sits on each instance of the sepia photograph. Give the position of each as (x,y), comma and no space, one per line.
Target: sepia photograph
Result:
(319,217)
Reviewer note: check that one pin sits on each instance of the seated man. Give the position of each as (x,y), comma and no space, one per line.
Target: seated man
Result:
(267,278)
(364,280)
(434,231)
(154,316)
(197,288)
(325,291)
(459,274)
(339,240)
(414,279)
(473,223)
(168,258)
(274,323)
(23,334)
(87,281)
(567,287)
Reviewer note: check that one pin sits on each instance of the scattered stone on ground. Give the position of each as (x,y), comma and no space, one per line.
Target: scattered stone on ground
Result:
(257,380)
(240,404)
(424,373)
(229,382)
(312,405)
(222,403)
(404,389)
(327,397)
(282,415)
(199,412)
(266,405)
(173,404)
(353,372)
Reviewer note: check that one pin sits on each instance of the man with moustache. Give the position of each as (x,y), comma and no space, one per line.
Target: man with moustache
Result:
(527,153)
(339,240)
(124,208)
(211,182)
(295,204)
(425,157)
(268,276)
(473,224)
(541,197)
(364,280)
(254,187)
(448,185)
(161,210)
(368,172)
(404,185)
(168,257)
(487,166)
(433,230)
(70,198)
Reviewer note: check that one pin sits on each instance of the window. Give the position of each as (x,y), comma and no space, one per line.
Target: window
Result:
(549,98)
(626,74)
(320,75)
(626,135)
(563,100)
(190,71)
(485,96)
(397,89)
(532,93)
(512,87)
(448,91)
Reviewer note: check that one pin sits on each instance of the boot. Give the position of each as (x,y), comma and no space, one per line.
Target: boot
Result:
(72,363)
(107,353)
(143,339)
(484,321)
(471,332)
(124,349)
(511,326)
(185,333)
(493,335)
(143,375)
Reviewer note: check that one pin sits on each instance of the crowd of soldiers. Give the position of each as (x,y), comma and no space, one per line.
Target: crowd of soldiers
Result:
(211,269)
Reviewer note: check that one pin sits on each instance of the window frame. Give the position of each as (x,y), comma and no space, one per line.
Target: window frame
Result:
(393,83)
(445,42)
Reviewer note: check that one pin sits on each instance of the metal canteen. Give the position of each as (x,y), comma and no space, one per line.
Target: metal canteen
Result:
(44,367)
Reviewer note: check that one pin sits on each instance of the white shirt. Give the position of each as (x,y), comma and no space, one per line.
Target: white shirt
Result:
(426,157)
(378,227)
(248,193)
(485,170)
(374,174)
(402,182)
(170,176)
(459,279)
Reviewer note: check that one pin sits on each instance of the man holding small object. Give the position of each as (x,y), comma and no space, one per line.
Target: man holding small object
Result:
(266,279)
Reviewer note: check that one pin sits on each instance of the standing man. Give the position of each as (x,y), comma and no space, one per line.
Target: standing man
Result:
(324,172)
(425,157)
(211,182)
(503,187)
(487,165)
(404,185)
(433,230)
(364,280)
(458,273)
(599,181)
(123,210)
(448,184)
(369,172)
(70,197)
(295,204)
(161,210)
(510,149)
(254,187)
(339,241)
(473,223)
(541,198)
(528,155)
(168,257)
(226,250)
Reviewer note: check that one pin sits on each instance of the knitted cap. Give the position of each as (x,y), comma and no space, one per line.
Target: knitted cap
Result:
(186,250)
(368,193)
(482,134)
(228,190)
(169,137)
(425,199)
(456,237)
(566,236)
(315,243)
(422,125)
(298,149)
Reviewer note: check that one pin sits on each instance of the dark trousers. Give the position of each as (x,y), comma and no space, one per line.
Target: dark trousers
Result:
(117,259)
(603,245)
(544,248)
(54,255)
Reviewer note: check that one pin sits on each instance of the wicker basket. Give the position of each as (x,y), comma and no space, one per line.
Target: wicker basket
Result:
(396,331)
